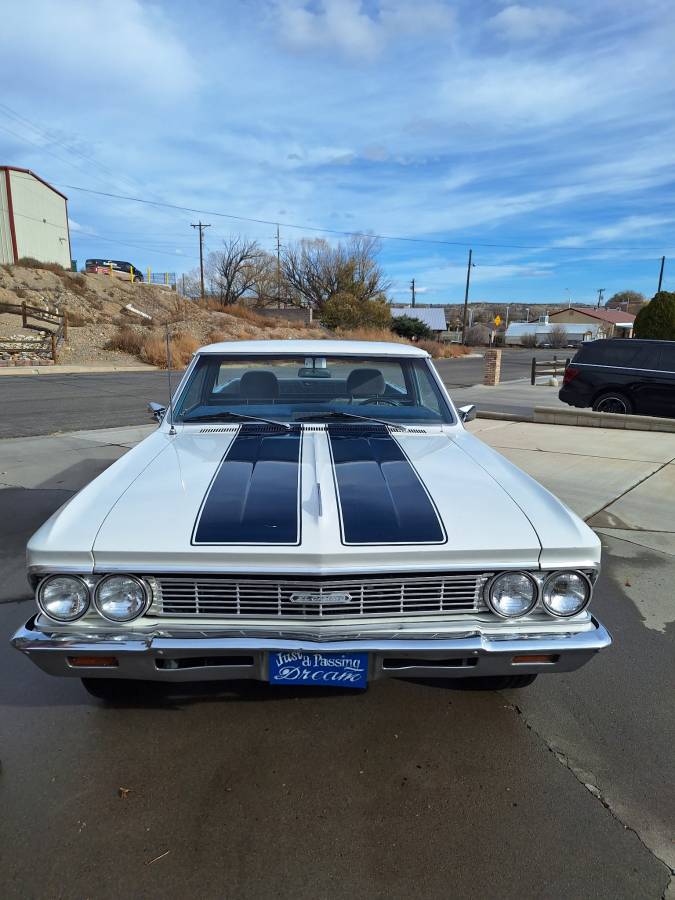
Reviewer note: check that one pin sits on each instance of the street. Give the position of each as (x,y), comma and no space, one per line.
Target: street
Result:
(563,789)
(46,404)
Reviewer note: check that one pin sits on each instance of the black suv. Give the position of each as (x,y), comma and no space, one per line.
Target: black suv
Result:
(623,375)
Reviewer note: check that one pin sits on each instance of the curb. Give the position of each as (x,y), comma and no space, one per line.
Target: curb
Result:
(73,370)
(551,415)
(503,416)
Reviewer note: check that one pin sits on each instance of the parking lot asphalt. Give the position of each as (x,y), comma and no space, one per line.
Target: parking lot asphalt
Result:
(564,789)
(31,404)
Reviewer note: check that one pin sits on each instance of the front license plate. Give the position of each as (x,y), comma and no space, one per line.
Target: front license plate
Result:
(321,669)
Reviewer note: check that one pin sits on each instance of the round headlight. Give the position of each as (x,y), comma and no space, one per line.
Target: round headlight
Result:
(63,598)
(566,593)
(120,598)
(512,594)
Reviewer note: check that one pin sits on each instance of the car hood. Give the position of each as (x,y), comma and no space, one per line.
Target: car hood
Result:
(320,500)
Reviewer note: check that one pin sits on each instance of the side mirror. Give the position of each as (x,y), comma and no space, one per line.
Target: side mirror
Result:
(157,411)
(467,413)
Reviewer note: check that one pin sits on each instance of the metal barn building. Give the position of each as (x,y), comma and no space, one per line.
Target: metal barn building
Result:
(33,218)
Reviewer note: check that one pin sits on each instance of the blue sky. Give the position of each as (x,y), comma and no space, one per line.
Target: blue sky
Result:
(544,130)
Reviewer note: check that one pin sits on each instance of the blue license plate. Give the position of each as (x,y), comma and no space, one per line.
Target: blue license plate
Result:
(309,667)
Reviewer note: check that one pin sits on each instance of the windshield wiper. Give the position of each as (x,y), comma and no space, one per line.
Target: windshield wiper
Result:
(335,414)
(235,417)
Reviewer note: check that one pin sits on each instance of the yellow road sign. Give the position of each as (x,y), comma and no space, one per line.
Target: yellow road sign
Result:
(498,321)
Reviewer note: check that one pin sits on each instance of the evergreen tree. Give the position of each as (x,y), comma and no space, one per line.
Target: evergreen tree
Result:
(656,320)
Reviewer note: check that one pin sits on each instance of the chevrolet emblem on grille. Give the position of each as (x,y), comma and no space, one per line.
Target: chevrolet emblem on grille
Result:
(315,598)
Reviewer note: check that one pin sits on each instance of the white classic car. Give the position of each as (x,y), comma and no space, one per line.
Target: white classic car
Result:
(312,512)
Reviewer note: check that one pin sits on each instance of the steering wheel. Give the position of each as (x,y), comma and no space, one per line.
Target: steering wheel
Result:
(377,399)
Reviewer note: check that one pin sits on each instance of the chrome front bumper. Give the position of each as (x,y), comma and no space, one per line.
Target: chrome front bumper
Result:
(202,656)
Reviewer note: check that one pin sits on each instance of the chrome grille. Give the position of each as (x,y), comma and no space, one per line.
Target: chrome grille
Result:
(213,596)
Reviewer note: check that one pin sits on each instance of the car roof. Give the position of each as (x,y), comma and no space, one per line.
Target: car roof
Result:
(314,348)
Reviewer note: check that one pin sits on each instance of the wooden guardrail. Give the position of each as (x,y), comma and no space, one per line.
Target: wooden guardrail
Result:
(553,366)
(52,337)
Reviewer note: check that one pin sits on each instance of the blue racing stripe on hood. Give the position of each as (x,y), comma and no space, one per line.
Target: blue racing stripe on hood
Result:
(381,497)
(254,495)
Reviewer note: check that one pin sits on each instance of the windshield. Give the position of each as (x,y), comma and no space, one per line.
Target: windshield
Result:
(313,388)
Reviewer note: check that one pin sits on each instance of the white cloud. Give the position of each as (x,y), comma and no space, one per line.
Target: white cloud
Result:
(629,226)
(354,29)
(119,50)
(530,23)
(73,225)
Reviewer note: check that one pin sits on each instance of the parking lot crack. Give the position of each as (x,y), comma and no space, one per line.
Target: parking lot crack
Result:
(587,780)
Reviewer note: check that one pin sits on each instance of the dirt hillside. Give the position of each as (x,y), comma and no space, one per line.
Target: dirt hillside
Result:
(102,330)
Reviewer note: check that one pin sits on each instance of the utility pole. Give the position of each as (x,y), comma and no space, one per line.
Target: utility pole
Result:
(663,262)
(601,291)
(412,288)
(278,270)
(201,227)
(466,295)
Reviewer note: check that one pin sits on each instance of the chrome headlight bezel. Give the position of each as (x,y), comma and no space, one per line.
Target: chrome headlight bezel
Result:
(493,581)
(579,574)
(141,584)
(43,608)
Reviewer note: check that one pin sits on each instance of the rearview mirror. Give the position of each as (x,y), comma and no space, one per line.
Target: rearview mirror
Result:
(157,411)
(467,413)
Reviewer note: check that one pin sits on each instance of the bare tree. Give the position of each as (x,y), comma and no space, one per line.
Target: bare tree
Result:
(315,271)
(232,271)
(558,337)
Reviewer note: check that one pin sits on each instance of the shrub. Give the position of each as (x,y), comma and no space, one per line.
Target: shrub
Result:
(410,327)
(127,340)
(347,311)
(477,336)
(656,320)
(558,336)
(529,340)
(153,349)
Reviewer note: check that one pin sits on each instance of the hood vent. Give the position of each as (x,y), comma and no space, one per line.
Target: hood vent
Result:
(334,426)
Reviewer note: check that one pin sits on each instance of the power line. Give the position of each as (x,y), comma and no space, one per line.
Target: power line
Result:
(382,237)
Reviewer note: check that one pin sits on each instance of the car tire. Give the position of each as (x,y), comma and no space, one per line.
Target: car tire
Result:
(613,402)
(112,690)
(498,682)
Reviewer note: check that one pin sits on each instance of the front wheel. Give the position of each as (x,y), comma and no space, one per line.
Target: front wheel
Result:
(613,402)
(498,682)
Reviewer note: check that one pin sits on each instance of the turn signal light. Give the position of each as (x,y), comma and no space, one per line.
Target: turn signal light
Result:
(570,374)
(90,662)
(540,658)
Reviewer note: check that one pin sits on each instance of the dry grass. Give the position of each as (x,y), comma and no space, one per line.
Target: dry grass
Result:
(153,349)
(28,262)
(76,319)
(127,340)
(76,283)
(369,334)
(239,311)
(437,349)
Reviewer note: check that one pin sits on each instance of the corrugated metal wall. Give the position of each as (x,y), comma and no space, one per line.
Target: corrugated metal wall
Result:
(40,220)
(6,251)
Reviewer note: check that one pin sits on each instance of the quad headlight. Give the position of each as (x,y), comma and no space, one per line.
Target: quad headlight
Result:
(512,594)
(63,598)
(566,593)
(120,598)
